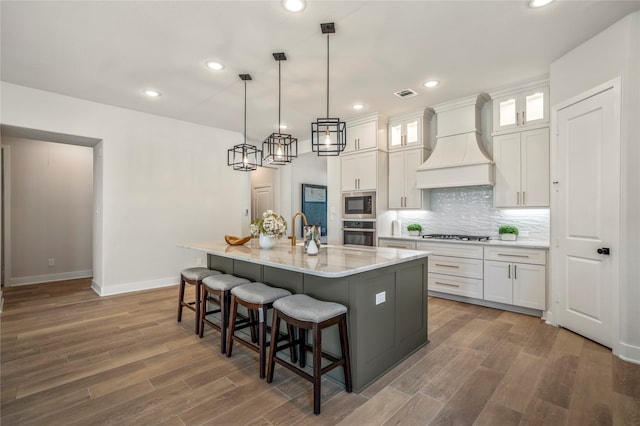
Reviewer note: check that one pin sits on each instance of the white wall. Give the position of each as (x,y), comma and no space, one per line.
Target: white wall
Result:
(51,209)
(613,53)
(163,182)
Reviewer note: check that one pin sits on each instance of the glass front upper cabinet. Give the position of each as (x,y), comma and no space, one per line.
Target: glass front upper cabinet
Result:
(521,110)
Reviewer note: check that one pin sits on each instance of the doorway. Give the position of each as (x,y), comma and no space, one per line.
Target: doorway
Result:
(51,192)
(585,217)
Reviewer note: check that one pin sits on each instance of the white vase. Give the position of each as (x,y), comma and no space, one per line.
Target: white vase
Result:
(267,241)
(312,248)
(508,237)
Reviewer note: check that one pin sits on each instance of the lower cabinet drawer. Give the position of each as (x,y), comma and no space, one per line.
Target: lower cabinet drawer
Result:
(470,287)
(469,268)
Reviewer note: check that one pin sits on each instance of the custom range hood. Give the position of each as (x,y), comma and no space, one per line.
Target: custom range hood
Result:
(458,158)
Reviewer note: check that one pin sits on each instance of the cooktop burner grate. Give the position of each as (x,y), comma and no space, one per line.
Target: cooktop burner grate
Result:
(457,237)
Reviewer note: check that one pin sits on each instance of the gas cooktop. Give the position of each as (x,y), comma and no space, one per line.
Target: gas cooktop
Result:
(457,237)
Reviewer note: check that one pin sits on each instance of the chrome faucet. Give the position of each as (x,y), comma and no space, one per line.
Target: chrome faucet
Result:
(293,226)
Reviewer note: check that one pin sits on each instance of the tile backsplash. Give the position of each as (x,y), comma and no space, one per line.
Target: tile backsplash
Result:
(469,210)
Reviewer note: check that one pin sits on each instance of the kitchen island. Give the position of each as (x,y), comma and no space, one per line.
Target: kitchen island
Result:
(385,290)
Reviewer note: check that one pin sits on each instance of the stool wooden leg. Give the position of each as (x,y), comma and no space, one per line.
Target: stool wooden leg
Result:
(271,363)
(197,306)
(180,298)
(233,311)
(292,342)
(262,338)
(344,346)
(252,325)
(317,367)
(203,310)
(224,319)
(302,337)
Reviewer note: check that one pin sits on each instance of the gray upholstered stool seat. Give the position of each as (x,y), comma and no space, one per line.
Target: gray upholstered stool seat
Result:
(193,276)
(256,298)
(259,293)
(216,289)
(305,308)
(307,313)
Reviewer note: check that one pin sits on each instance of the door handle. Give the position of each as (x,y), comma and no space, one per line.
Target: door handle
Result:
(604,250)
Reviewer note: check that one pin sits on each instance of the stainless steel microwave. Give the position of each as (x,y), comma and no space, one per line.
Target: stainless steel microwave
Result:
(358,205)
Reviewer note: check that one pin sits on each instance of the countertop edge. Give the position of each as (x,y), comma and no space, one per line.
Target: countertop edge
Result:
(518,243)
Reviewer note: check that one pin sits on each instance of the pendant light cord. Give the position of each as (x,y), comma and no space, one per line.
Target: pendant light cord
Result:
(327,75)
(245,112)
(279,94)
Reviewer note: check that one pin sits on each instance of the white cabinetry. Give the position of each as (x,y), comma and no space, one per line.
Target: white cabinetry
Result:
(403,193)
(360,172)
(455,268)
(521,108)
(366,133)
(515,276)
(408,130)
(394,243)
(522,169)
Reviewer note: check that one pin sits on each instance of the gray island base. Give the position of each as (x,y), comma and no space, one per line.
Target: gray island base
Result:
(384,289)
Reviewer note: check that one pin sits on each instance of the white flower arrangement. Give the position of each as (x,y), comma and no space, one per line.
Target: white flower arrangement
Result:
(270,223)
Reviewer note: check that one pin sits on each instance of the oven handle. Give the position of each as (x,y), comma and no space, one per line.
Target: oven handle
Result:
(359,229)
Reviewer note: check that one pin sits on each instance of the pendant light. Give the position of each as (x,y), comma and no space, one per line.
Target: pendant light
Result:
(244,157)
(328,135)
(279,148)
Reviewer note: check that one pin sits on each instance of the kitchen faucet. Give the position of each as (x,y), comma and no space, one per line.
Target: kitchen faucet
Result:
(293,226)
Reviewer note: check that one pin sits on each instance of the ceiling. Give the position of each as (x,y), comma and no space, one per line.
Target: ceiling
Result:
(110,51)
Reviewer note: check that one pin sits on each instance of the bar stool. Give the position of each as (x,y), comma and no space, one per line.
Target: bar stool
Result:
(218,286)
(255,297)
(307,313)
(194,277)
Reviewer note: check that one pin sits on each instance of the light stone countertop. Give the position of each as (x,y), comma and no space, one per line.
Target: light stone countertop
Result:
(522,243)
(333,261)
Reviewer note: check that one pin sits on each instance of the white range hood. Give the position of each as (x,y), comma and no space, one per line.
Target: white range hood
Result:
(458,158)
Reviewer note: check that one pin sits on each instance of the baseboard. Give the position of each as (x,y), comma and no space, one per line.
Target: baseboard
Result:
(133,286)
(628,352)
(38,279)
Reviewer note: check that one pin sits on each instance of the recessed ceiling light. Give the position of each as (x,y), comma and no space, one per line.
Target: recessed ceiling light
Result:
(293,5)
(152,93)
(539,3)
(358,106)
(216,66)
(431,83)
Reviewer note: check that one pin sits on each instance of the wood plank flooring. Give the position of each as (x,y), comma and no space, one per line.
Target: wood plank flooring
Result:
(70,357)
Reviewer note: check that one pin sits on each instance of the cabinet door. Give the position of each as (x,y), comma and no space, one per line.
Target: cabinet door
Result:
(362,136)
(535,168)
(396,180)
(349,172)
(497,281)
(413,132)
(505,113)
(535,106)
(413,159)
(529,285)
(506,154)
(367,171)
(395,135)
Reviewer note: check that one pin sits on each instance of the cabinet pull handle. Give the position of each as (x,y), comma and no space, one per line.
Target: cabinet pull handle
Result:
(396,246)
(526,256)
(515,272)
(509,271)
(518,198)
(524,195)
(447,284)
(448,266)
(517,118)
(524,118)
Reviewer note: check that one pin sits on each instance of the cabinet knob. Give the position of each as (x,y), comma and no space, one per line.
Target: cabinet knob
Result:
(604,250)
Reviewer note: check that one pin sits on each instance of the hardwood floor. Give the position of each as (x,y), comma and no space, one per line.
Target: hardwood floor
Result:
(70,357)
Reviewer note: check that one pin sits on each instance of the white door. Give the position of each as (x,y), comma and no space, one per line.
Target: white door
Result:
(585,214)
(261,201)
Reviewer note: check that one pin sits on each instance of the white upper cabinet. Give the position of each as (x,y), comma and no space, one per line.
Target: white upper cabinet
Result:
(408,130)
(360,172)
(366,133)
(522,108)
(403,191)
(522,169)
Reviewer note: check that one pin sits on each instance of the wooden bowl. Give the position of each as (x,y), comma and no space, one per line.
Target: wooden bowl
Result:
(236,241)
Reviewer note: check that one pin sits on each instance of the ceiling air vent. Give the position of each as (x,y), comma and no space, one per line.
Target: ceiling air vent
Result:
(405,93)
